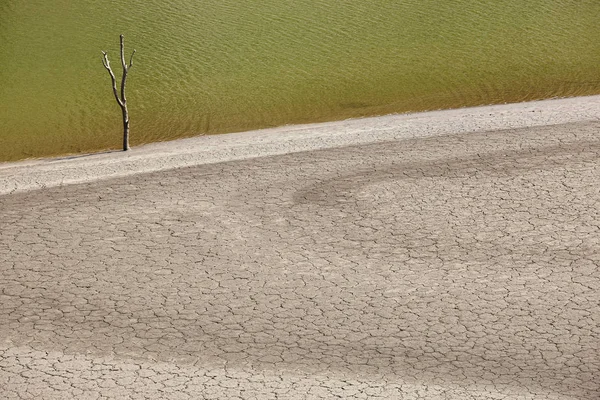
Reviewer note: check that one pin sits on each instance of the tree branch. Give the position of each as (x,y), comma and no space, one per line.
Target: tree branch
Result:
(131,59)
(106,64)
(124,78)
(123,53)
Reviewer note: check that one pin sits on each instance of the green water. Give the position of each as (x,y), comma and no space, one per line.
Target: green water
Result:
(215,66)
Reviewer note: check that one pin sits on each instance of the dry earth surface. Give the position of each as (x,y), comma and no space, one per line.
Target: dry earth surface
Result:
(461,266)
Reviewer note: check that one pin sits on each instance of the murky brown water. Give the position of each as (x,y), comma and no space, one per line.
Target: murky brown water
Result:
(221,66)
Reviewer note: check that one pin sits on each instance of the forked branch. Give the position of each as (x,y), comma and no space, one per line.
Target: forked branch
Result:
(112,77)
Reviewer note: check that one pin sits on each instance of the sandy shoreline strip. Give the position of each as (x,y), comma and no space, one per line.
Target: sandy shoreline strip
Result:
(36,174)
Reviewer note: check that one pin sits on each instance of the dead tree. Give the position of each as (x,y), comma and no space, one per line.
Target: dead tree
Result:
(121,100)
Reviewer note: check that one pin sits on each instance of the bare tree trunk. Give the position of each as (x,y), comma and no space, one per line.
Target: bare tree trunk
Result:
(125,128)
(121,100)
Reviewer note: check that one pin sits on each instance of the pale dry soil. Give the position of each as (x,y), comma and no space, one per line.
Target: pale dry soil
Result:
(454,267)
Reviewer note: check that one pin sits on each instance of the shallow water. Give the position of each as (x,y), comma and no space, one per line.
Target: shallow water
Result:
(222,66)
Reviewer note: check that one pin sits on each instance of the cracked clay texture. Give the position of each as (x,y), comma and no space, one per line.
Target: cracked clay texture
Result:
(453,267)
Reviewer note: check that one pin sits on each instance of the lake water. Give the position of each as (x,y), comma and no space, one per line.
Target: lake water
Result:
(214,66)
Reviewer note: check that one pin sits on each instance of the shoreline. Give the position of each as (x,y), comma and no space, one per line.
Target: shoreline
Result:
(27,175)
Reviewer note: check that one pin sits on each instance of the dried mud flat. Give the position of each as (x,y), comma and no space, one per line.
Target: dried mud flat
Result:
(432,264)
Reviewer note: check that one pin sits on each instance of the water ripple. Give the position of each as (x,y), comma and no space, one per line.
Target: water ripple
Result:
(222,66)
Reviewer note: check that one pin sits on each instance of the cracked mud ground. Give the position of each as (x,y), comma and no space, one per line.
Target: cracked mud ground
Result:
(453,267)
